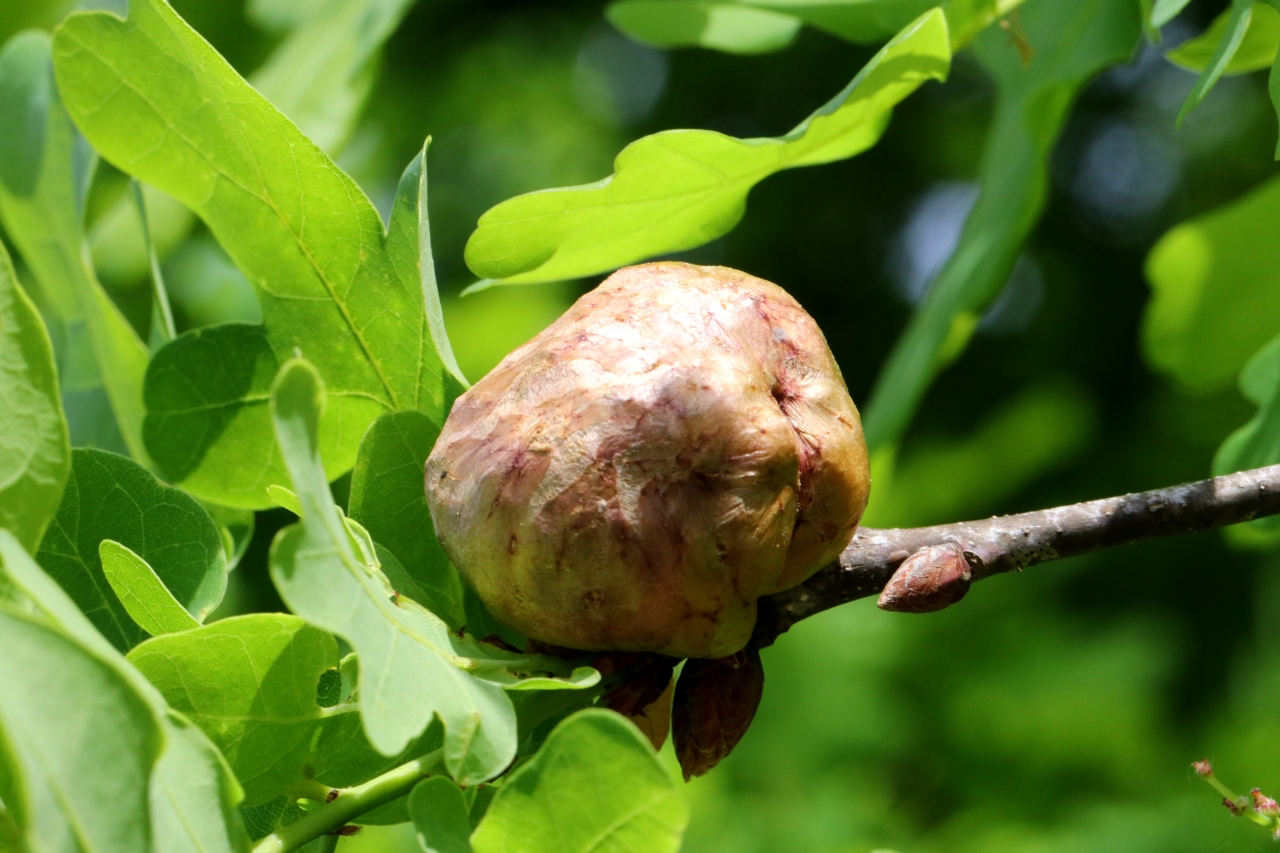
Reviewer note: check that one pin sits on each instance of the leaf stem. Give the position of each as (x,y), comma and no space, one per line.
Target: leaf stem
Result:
(310,789)
(351,803)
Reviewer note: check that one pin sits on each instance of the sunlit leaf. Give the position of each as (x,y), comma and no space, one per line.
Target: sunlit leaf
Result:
(162,329)
(1215,284)
(682,188)
(388,497)
(1233,32)
(192,793)
(111,497)
(594,787)
(35,458)
(409,248)
(440,816)
(1164,11)
(319,76)
(86,765)
(43,181)
(730,27)
(1032,103)
(761,26)
(160,103)
(141,591)
(249,682)
(236,527)
(194,796)
(1257,443)
(1256,50)
(409,672)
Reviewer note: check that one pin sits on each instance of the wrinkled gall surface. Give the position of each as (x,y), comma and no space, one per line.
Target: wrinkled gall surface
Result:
(678,444)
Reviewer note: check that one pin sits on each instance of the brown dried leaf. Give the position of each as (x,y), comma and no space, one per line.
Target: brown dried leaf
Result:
(643,678)
(715,702)
(655,718)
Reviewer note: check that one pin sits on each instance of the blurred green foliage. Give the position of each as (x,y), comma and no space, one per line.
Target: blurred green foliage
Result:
(1055,710)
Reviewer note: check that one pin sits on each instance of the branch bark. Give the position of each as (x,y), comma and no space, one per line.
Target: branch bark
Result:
(1004,543)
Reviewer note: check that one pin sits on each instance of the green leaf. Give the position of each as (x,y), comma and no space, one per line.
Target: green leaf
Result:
(967,18)
(682,188)
(761,26)
(42,188)
(1164,11)
(162,329)
(26,586)
(409,672)
(111,497)
(730,27)
(409,247)
(85,765)
(1233,31)
(1257,443)
(1032,103)
(388,498)
(236,527)
(1257,49)
(319,76)
(193,795)
(1215,283)
(140,590)
(249,682)
(596,786)
(441,816)
(282,15)
(35,457)
(285,499)
(156,100)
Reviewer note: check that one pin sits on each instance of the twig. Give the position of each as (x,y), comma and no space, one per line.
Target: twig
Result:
(1003,543)
(351,803)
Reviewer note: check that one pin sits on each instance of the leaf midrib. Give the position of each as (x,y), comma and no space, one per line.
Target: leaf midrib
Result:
(270,204)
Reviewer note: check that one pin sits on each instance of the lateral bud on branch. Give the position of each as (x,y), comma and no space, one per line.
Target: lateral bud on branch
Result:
(933,578)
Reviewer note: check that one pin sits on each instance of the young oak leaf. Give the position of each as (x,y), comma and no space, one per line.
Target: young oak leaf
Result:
(1257,443)
(1257,48)
(1231,35)
(762,26)
(681,188)
(35,457)
(1032,104)
(250,683)
(595,785)
(409,672)
(159,102)
(112,497)
(190,791)
(319,76)
(44,176)
(141,591)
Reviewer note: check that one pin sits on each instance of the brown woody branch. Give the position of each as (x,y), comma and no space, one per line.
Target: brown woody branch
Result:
(1003,543)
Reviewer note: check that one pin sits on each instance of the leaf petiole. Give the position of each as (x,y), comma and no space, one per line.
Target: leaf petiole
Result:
(351,803)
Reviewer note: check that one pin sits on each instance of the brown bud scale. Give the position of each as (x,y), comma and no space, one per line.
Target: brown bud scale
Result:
(715,702)
(931,579)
